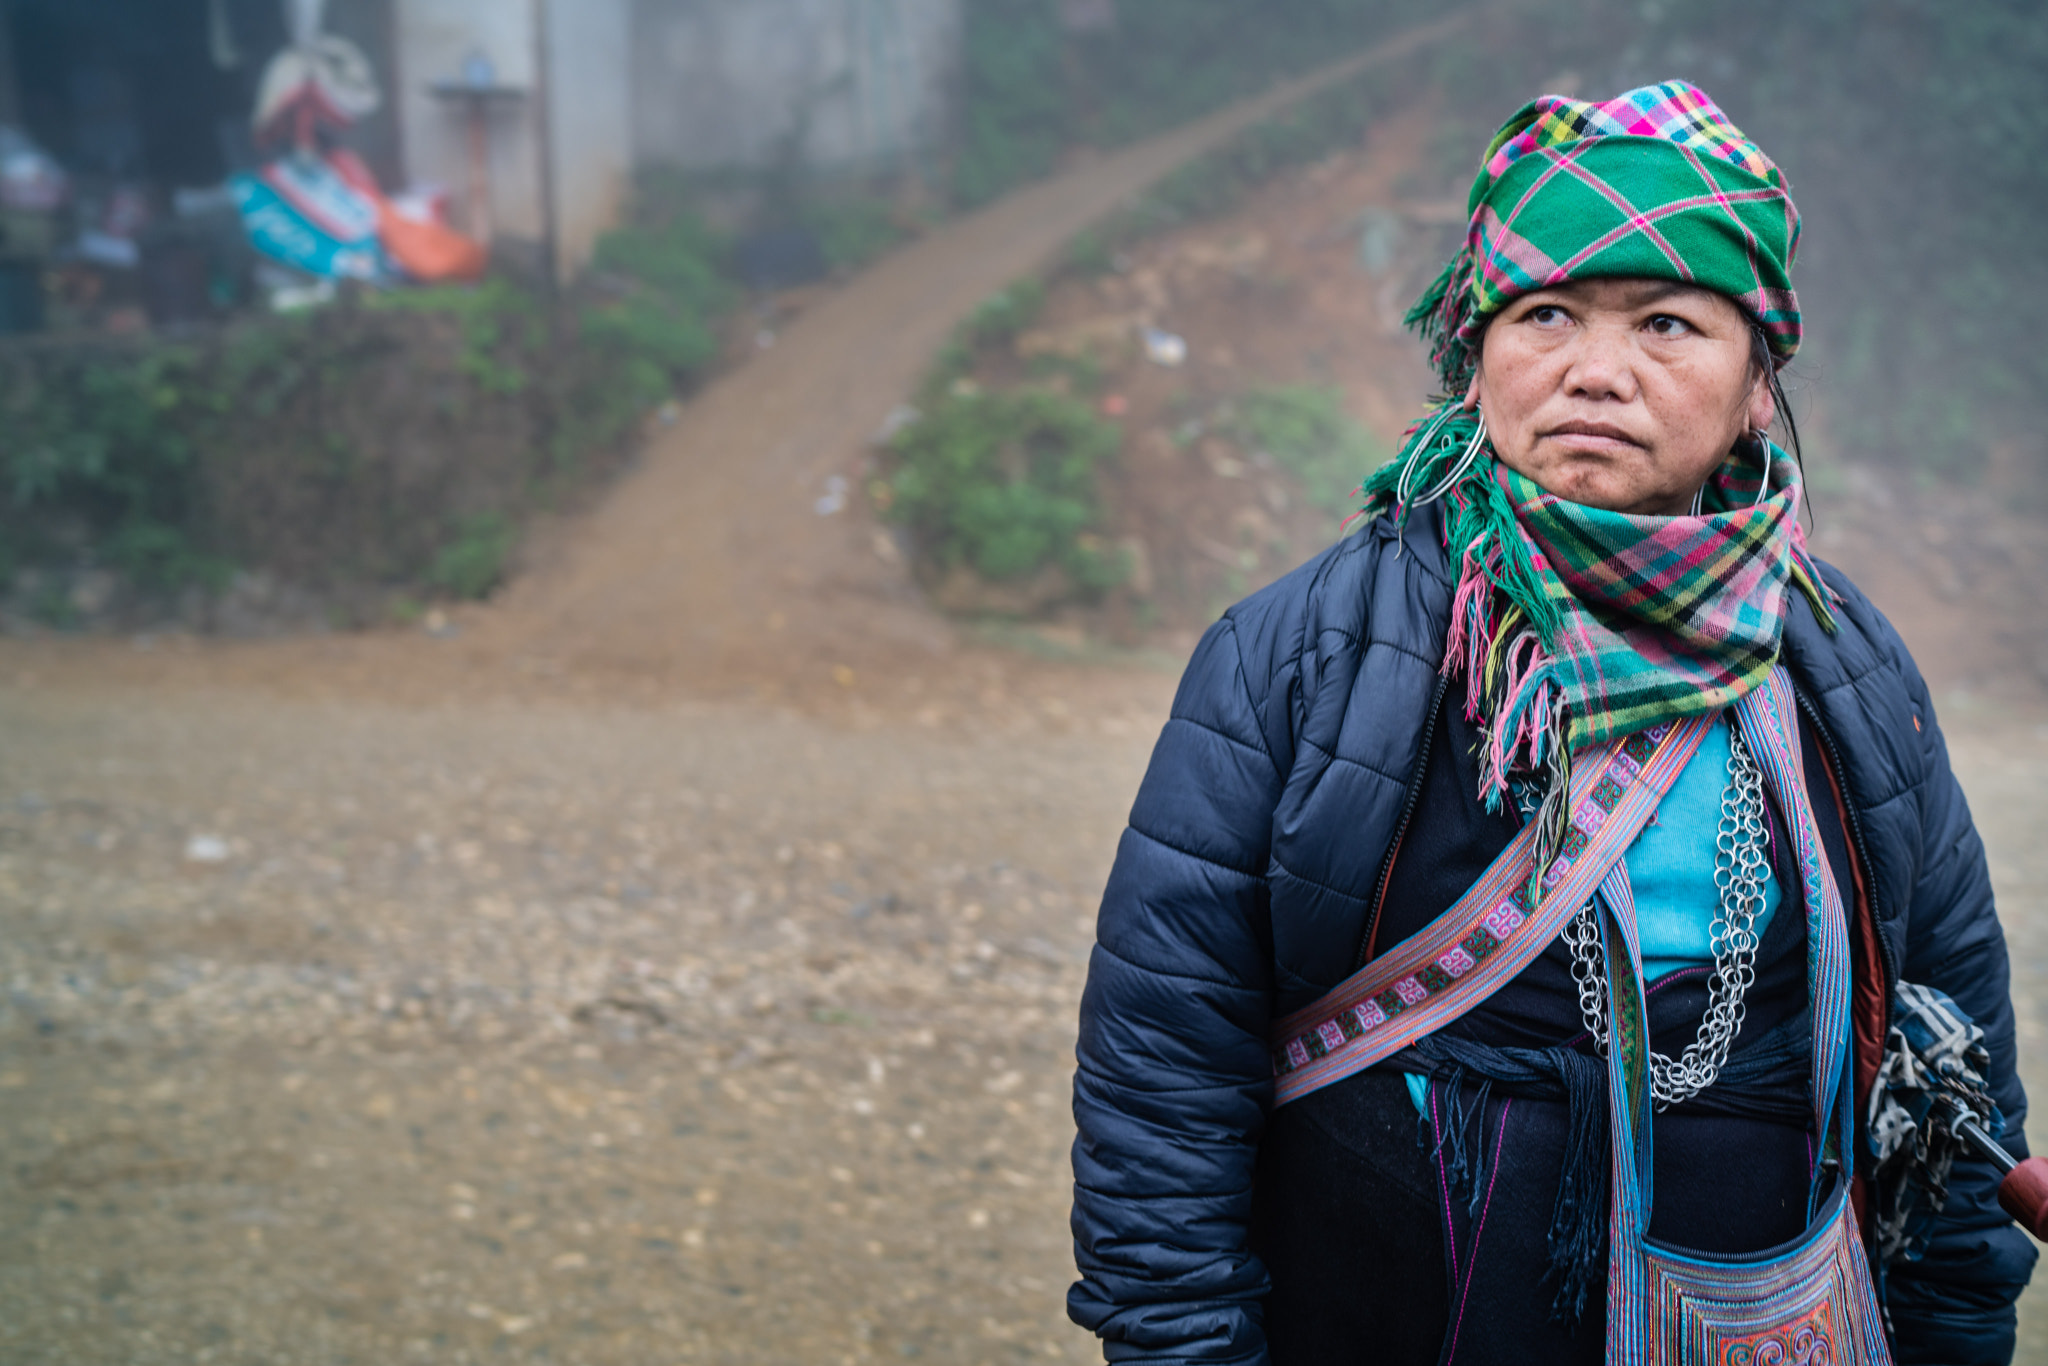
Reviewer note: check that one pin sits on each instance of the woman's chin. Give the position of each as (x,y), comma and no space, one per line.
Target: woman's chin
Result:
(1604,485)
(1590,486)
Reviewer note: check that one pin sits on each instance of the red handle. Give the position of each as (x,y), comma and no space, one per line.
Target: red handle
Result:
(2024,1195)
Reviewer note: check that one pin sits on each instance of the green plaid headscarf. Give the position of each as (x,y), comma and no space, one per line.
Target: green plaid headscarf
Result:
(1656,183)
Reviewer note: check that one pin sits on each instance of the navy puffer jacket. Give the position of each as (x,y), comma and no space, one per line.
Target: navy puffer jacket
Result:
(1241,890)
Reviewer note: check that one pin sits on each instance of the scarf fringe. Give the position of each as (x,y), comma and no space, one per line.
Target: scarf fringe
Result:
(1806,574)
(1459,1142)
(1503,619)
(1439,317)
(1576,1242)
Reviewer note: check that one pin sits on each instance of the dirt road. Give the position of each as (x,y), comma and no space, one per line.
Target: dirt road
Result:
(557,1034)
(707,563)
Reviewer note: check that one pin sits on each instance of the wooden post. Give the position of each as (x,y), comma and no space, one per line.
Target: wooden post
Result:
(475,102)
(478,113)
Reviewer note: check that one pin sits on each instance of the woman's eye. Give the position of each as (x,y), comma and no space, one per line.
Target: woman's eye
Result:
(1547,315)
(1664,325)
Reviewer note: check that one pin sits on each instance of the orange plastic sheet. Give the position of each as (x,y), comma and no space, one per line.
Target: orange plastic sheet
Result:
(426,251)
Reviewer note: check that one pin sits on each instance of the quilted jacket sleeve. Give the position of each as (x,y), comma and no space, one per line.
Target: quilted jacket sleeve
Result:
(1956,1305)
(1174,1076)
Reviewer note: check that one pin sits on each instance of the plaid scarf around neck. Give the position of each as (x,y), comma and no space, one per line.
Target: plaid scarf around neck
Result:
(1574,625)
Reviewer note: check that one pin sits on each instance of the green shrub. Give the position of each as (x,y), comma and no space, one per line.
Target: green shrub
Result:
(648,322)
(993,326)
(853,231)
(673,287)
(1306,431)
(658,340)
(682,259)
(53,607)
(473,564)
(1081,374)
(1007,484)
(165,558)
(1090,253)
(1004,315)
(500,323)
(102,429)
(102,441)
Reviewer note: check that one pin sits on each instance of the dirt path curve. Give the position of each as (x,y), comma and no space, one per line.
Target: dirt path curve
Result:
(708,561)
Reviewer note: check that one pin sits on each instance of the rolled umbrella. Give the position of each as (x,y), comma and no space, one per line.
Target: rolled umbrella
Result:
(2023,1193)
(1931,1105)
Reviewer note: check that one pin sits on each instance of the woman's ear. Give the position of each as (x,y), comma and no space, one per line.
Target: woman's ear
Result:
(1763,404)
(1475,393)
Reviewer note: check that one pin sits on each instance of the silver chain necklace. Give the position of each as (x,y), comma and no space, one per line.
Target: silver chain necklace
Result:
(1740,872)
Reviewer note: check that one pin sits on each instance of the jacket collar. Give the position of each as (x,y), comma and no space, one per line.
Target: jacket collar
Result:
(1422,536)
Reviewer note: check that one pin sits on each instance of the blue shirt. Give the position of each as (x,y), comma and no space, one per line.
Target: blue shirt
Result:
(1671,867)
(1671,872)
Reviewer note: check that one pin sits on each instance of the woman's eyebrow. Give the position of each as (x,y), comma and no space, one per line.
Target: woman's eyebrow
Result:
(1656,291)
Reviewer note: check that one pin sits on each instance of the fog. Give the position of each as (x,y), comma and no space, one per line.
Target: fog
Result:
(585,586)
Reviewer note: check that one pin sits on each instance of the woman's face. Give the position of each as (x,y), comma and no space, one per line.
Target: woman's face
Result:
(1620,394)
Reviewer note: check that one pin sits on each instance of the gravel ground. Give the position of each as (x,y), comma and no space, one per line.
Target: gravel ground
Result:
(559,1033)
(541,1034)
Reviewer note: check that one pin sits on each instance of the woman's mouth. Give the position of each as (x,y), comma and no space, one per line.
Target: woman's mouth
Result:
(1593,436)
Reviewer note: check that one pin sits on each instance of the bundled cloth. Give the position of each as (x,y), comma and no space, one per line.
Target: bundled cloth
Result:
(326,216)
(1933,1053)
(320,81)
(1764,1082)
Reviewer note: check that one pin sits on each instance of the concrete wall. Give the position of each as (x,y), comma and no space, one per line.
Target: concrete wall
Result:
(692,83)
(718,83)
(586,106)
(431,41)
(590,106)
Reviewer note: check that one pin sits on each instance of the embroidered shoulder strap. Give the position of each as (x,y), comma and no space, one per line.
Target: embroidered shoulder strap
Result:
(1810,1300)
(1492,933)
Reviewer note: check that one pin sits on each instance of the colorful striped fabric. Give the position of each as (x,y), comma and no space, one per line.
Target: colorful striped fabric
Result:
(1662,617)
(1495,930)
(1673,111)
(1572,625)
(1655,183)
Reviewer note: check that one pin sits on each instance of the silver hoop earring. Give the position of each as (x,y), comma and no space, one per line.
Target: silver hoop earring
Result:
(1465,463)
(1404,488)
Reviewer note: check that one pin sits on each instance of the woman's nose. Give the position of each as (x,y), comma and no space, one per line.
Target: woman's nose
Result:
(1602,364)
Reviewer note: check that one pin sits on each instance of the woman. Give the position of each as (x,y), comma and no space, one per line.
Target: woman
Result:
(1499,959)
